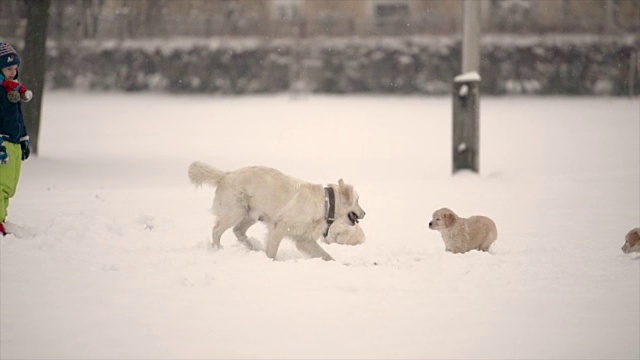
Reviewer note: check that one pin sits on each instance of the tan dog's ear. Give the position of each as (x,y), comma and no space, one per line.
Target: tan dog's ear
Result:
(633,238)
(345,190)
(449,219)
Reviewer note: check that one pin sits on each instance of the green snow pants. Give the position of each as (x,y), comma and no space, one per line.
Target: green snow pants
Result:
(9,176)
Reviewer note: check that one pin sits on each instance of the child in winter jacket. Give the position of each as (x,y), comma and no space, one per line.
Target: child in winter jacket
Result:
(14,142)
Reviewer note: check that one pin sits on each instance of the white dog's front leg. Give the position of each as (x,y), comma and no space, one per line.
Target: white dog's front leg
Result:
(313,249)
(274,237)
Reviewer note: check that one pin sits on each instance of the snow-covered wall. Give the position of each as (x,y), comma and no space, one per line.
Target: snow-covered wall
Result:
(579,65)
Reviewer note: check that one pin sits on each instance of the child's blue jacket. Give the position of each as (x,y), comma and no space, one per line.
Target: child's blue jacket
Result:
(12,126)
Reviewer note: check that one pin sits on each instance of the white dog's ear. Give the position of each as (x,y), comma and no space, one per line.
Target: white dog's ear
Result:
(345,190)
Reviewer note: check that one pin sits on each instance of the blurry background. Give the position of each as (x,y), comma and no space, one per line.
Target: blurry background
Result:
(115,261)
(334,46)
(124,19)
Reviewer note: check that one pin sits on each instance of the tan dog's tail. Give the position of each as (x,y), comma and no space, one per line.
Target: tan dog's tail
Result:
(201,173)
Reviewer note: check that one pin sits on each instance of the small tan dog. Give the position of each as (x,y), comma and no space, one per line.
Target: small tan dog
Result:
(461,235)
(632,241)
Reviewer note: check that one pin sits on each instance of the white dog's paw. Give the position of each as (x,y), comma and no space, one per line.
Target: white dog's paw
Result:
(251,244)
(254,244)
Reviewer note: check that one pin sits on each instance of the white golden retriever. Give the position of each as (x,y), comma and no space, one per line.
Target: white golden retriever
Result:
(287,206)
(461,235)
(632,241)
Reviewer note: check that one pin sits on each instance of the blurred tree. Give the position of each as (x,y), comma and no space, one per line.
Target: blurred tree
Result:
(34,63)
(146,18)
(91,17)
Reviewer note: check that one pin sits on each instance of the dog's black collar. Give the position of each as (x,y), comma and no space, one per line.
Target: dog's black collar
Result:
(329,207)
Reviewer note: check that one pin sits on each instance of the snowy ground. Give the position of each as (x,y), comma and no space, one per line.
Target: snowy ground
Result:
(114,262)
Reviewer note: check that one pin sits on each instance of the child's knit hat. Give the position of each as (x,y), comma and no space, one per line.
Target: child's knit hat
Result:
(8,56)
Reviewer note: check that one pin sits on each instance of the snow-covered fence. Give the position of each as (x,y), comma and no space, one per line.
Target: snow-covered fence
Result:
(413,65)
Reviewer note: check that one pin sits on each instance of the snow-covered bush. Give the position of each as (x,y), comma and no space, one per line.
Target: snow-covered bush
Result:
(577,65)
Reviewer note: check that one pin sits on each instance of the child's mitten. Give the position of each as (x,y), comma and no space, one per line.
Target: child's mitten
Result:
(24,145)
(4,158)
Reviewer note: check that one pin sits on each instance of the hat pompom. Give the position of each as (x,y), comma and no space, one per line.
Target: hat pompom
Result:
(26,96)
(13,96)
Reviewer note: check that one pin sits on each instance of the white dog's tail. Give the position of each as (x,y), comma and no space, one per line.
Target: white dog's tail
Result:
(201,173)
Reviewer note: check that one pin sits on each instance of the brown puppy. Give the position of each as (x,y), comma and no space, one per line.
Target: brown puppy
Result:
(461,235)
(632,241)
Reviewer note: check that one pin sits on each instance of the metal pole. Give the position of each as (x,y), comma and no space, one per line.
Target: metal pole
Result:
(634,64)
(466,128)
(466,94)
(471,36)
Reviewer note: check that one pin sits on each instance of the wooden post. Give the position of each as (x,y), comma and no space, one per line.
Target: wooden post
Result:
(466,94)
